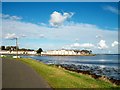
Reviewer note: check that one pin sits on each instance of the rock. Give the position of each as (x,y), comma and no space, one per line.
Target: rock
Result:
(95,71)
(16,56)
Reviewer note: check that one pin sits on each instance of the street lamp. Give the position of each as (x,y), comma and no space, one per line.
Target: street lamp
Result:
(16,46)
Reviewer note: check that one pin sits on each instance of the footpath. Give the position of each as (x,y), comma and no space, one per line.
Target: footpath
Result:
(16,74)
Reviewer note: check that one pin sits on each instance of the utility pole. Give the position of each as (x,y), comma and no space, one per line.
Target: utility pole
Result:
(16,47)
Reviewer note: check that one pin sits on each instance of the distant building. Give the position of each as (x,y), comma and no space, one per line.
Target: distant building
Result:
(65,52)
(12,50)
(19,52)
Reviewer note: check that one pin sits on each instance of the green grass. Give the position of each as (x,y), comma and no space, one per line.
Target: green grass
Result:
(61,78)
(7,56)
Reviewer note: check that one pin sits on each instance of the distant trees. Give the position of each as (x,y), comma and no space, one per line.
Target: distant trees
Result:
(83,51)
(24,49)
(77,51)
(39,50)
(8,48)
(87,51)
(12,48)
(2,47)
(90,52)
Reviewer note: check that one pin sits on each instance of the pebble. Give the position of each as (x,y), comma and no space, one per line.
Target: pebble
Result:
(111,73)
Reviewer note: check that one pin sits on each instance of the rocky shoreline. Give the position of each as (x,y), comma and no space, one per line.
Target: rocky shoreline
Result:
(107,73)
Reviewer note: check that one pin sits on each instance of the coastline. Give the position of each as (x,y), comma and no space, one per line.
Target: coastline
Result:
(57,55)
(95,72)
(50,55)
(57,68)
(69,55)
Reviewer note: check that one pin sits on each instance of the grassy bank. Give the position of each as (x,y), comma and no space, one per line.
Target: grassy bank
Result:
(60,78)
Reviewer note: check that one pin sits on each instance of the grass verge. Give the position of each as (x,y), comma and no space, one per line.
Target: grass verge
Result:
(61,78)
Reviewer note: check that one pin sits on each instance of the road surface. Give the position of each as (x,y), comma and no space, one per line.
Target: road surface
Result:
(16,74)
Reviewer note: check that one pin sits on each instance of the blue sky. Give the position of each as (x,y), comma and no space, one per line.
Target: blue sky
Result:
(60,1)
(65,25)
(85,12)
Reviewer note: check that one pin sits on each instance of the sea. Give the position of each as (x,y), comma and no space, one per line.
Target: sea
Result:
(101,64)
(102,60)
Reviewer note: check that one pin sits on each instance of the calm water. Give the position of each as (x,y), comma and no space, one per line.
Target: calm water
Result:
(100,60)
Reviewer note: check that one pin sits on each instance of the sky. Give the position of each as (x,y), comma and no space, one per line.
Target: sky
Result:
(61,25)
(60,1)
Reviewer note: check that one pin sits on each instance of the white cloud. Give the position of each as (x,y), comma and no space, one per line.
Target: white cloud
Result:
(58,37)
(6,16)
(20,28)
(77,39)
(115,43)
(80,46)
(112,9)
(71,31)
(102,44)
(15,18)
(75,45)
(23,35)
(10,36)
(42,36)
(99,36)
(42,24)
(57,19)
(87,45)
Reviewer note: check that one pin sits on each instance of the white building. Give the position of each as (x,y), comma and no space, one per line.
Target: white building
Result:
(60,52)
(19,52)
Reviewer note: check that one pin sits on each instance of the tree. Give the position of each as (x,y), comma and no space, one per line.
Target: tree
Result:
(23,49)
(8,48)
(13,48)
(90,52)
(85,51)
(39,50)
(2,47)
(77,51)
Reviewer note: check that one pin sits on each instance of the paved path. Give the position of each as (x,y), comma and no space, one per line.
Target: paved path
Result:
(0,73)
(15,74)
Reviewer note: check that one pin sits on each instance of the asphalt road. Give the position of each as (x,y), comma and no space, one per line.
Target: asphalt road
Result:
(15,74)
(0,73)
